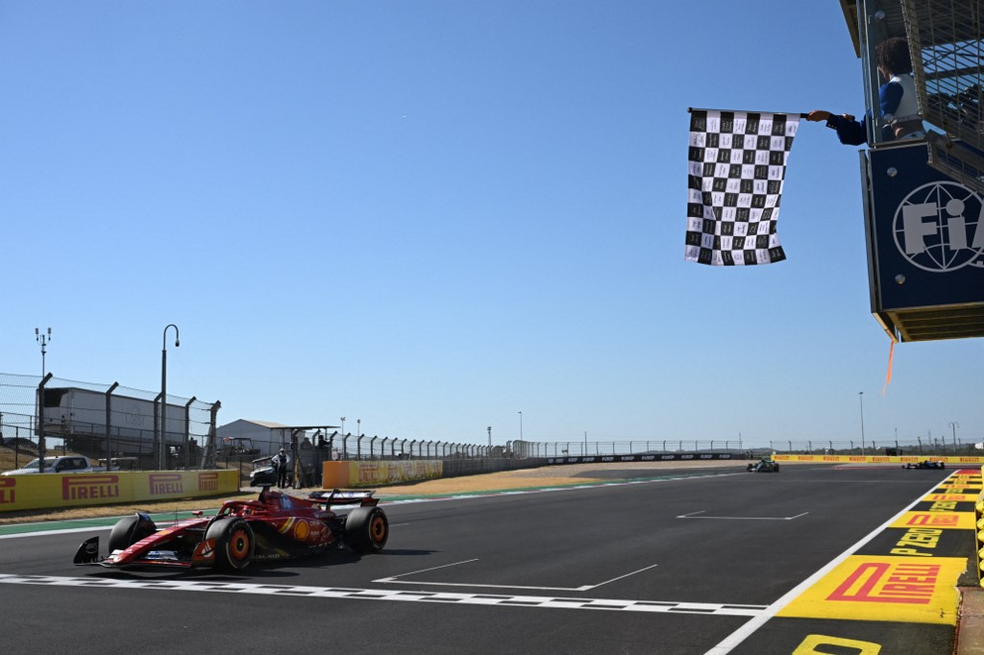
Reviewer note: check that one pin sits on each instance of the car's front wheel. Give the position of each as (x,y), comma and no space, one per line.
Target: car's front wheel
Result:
(130,530)
(233,543)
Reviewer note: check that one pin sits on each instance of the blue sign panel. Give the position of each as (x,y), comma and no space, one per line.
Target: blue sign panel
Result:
(927,233)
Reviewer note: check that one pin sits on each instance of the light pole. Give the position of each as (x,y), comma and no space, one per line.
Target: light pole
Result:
(490,435)
(861,396)
(521,426)
(343,424)
(177,342)
(44,340)
(358,425)
(953,426)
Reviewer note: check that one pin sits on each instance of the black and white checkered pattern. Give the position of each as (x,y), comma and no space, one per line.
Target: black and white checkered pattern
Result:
(446,598)
(737,164)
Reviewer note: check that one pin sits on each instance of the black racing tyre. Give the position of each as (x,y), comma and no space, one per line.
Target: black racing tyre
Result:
(366,530)
(234,543)
(130,530)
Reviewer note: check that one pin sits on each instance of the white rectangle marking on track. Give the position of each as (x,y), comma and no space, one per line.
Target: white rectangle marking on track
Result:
(693,515)
(394,580)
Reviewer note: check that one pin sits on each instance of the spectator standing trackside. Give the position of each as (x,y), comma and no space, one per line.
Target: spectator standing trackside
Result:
(280,461)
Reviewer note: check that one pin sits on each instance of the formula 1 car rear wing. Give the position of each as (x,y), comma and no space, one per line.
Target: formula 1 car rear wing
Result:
(338,497)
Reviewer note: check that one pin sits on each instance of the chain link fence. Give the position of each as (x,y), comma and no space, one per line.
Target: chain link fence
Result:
(107,422)
(121,426)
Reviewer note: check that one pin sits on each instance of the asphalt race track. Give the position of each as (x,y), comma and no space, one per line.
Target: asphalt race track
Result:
(696,564)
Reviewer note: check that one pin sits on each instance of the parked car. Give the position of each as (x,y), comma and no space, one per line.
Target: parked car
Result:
(62,464)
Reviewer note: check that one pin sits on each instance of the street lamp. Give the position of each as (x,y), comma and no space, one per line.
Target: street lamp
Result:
(43,339)
(490,435)
(521,426)
(177,342)
(358,425)
(861,396)
(953,426)
(343,424)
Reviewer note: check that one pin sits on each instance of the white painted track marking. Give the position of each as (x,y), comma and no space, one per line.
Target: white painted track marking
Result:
(549,602)
(394,580)
(693,515)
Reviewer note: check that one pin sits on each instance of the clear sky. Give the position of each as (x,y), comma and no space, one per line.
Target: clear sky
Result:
(434,215)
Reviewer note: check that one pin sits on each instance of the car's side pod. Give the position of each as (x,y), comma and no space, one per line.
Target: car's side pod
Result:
(88,552)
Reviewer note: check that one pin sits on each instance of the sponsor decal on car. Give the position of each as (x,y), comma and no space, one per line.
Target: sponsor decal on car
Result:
(204,552)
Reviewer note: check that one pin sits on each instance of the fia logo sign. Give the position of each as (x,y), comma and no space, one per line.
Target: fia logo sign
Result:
(939,227)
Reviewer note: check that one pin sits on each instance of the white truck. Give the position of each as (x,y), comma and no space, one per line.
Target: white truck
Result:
(62,464)
(70,411)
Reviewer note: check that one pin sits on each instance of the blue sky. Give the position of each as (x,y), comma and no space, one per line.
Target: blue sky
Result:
(433,215)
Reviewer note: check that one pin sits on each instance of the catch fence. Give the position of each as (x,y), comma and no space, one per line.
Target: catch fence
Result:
(106,422)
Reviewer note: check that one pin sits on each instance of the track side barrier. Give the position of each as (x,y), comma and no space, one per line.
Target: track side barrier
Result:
(880,459)
(370,473)
(56,490)
(979,534)
(641,457)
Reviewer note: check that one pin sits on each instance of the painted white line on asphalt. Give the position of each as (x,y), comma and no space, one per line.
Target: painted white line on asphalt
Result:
(523,492)
(394,580)
(532,602)
(745,631)
(42,533)
(693,515)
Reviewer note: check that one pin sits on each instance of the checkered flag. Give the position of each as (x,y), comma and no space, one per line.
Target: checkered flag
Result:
(737,163)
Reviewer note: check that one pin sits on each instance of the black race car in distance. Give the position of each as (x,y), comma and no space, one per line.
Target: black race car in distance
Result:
(925,464)
(765,465)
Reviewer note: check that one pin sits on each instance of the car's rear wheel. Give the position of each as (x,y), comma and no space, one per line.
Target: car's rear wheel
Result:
(130,530)
(366,530)
(234,543)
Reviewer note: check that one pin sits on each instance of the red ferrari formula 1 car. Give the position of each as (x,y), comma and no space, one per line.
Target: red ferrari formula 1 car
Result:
(276,526)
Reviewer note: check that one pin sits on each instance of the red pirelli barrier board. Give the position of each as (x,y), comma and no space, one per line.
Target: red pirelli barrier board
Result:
(53,490)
